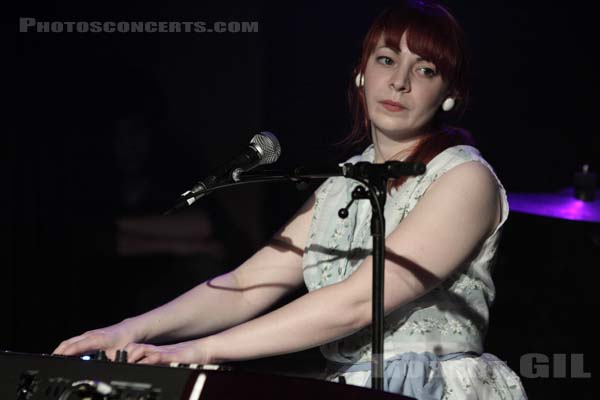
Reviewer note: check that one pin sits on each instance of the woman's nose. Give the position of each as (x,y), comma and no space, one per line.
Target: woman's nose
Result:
(400,80)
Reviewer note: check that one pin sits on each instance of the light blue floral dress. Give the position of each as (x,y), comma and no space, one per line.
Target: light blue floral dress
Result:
(451,319)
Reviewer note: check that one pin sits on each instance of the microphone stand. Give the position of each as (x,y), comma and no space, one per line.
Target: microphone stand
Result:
(375,179)
(378,195)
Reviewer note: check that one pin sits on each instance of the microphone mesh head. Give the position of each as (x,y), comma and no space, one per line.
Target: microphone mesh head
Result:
(268,146)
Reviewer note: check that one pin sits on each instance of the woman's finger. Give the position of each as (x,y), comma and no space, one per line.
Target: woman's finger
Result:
(153,358)
(86,344)
(66,343)
(136,351)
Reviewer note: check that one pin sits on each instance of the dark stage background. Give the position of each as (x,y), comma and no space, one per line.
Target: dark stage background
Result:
(111,128)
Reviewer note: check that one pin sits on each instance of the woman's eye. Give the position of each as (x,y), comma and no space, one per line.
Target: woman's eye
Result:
(426,71)
(385,60)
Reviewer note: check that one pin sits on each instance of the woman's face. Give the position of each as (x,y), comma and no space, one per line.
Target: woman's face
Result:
(403,91)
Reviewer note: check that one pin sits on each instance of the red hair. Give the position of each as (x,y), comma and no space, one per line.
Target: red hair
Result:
(432,33)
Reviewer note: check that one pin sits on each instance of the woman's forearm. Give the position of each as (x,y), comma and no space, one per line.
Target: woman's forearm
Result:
(210,307)
(316,318)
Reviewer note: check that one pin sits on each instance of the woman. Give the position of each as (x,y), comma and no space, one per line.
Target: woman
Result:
(442,232)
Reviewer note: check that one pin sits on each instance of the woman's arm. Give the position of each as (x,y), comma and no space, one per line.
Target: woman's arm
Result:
(448,224)
(217,304)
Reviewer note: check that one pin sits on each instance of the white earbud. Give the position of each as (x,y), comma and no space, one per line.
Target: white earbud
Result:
(360,80)
(448,104)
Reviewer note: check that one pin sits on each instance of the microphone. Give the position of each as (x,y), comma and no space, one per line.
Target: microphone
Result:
(264,149)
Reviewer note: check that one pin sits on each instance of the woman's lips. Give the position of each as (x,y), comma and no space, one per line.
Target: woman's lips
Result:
(392,106)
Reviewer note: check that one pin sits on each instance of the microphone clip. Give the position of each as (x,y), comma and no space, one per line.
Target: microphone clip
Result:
(358,193)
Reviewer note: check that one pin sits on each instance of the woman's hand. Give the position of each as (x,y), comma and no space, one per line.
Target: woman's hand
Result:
(190,352)
(109,339)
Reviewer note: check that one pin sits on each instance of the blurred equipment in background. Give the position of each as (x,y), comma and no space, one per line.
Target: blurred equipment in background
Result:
(578,203)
